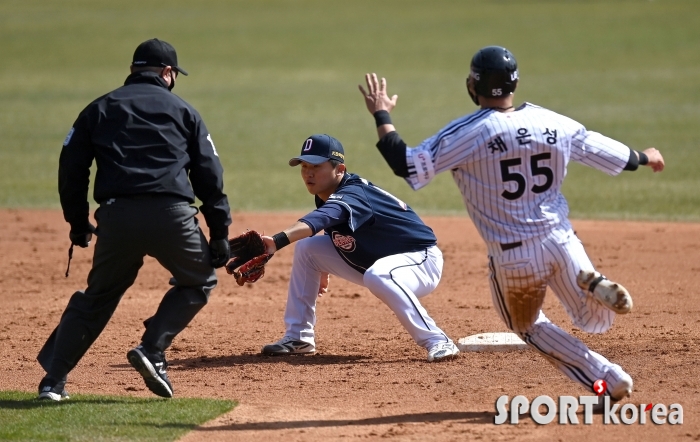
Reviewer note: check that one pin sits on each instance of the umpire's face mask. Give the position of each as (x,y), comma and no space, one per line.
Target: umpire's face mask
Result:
(173,76)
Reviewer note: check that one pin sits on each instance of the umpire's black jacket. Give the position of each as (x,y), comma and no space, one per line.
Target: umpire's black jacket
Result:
(145,140)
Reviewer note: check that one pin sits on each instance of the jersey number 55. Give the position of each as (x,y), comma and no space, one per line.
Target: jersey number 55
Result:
(519,178)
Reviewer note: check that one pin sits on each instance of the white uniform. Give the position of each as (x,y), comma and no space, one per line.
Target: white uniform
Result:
(397,280)
(509,168)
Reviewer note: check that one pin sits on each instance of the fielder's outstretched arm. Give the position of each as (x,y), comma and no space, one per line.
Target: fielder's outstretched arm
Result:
(312,223)
(329,214)
(293,233)
(297,231)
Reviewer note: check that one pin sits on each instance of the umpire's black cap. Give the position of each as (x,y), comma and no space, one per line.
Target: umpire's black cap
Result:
(318,149)
(157,53)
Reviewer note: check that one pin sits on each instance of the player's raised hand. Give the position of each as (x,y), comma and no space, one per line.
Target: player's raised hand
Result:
(376,98)
(656,161)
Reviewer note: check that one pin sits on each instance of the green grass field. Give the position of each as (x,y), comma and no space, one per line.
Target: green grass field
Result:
(266,74)
(104,418)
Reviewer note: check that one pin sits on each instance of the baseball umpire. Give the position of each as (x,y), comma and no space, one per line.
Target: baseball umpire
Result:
(509,164)
(371,238)
(153,155)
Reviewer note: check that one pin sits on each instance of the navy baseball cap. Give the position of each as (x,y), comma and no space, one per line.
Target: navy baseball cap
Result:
(318,149)
(156,53)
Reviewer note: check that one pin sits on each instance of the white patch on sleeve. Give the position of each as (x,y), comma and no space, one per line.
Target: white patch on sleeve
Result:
(69,136)
(423,163)
(212,144)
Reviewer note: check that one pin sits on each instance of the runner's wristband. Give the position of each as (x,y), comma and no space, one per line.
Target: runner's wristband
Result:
(382,117)
(643,158)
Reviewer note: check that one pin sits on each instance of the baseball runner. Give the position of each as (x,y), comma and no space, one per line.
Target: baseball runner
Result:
(153,155)
(509,164)
(371,239)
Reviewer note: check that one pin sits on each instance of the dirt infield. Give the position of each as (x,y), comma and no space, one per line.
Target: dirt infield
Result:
(369,380)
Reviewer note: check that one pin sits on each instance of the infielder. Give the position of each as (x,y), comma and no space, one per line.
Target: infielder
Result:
(371,238)
(509,164)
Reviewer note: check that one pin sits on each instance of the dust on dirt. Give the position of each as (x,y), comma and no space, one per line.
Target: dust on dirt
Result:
(369,380)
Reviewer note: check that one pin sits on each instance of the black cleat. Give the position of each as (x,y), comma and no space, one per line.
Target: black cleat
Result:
(152,368)
(50,389)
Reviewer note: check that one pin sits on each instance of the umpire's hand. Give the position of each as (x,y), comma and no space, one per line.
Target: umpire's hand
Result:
(219,251)
(82,238)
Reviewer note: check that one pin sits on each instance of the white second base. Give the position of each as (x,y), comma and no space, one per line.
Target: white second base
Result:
(486,342)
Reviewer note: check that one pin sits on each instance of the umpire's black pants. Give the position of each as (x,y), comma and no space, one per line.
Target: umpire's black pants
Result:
(128,229)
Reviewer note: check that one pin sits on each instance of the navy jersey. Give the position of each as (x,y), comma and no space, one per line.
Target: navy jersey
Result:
(378,225)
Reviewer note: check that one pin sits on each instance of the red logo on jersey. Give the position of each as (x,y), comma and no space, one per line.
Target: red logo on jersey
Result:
(345,243)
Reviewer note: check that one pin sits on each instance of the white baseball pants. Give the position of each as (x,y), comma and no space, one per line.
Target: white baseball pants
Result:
(397,280)
(519,278)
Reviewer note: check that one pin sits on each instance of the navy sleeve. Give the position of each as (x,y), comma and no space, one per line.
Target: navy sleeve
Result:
(326,216)
(74,164)
(207,178)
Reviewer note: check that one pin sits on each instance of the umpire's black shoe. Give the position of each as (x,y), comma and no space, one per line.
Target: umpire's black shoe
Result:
(151,367)
(51,389)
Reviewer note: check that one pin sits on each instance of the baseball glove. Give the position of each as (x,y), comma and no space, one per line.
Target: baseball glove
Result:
(249,257)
